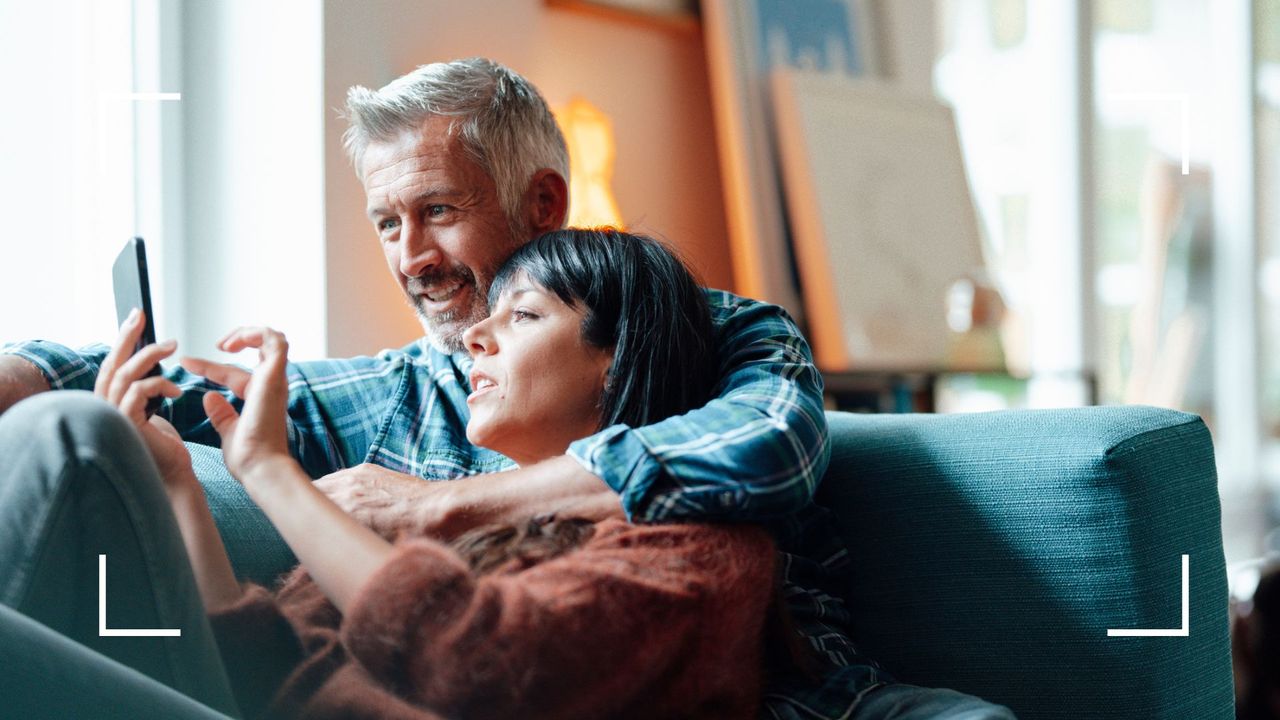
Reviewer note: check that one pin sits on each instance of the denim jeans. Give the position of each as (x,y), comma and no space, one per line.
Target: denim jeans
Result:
(47,675)
(909,702)
(76,482)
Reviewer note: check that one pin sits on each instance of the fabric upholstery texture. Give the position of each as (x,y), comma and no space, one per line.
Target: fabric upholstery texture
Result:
(255,547)
(991,553)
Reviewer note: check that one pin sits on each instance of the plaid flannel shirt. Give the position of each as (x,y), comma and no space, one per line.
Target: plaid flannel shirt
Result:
(753,454)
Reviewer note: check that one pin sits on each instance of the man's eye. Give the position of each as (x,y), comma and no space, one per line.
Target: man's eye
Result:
(437,210)
(387,224)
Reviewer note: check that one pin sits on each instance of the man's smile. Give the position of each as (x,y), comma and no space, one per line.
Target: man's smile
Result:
(443,292)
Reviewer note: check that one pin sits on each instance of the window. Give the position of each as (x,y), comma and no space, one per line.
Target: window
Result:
(76,175)
(1006,68)
(1267,104)
(1111,151)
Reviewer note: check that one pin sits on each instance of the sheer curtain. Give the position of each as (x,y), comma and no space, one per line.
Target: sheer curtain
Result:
(70,176)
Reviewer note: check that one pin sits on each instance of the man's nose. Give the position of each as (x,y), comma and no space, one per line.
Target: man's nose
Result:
(419,251)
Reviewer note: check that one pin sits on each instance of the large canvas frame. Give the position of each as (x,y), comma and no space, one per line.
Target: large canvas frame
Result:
(884,219)
(746,40)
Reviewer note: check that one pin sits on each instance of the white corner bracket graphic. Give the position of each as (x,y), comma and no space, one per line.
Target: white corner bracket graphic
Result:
(103,630)
(1183,631)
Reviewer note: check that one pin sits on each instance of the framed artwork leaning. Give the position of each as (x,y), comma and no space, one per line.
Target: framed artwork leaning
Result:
(883,220)
(745,41)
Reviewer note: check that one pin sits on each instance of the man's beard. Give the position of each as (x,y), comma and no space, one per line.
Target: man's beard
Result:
(444,329)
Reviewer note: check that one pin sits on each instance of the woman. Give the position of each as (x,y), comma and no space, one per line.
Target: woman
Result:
(559,618)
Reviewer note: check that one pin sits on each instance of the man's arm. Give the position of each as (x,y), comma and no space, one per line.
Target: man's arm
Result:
(19,380)
(390,502)
(350,395)
(62,368)
(754,453)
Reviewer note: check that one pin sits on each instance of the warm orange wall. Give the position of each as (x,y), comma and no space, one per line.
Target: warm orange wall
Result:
(651,81)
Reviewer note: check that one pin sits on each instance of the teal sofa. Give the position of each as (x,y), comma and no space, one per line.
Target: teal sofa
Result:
(991,553)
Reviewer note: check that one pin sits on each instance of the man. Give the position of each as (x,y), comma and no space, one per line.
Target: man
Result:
(461,163)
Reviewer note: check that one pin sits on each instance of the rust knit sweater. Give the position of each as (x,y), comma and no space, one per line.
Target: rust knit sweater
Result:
(657,621)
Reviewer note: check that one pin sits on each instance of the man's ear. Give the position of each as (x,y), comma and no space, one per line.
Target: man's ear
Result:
(548,202)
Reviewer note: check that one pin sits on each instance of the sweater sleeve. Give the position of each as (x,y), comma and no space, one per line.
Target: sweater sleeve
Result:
(623,622)
(259,647)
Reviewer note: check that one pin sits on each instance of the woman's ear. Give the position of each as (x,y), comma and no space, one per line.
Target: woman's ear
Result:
(606,368)
(604,364)
(548,204)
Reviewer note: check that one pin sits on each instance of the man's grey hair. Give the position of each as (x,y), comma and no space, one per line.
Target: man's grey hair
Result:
(501,118)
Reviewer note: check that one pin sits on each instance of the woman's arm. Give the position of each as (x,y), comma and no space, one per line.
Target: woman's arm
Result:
(214,576)
(122,381)
(338,552)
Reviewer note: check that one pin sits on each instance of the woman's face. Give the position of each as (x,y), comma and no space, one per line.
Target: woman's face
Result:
(536,384)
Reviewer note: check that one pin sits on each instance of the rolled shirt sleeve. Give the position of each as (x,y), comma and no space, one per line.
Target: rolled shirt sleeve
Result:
(63,368)
(754,453)
(309,438)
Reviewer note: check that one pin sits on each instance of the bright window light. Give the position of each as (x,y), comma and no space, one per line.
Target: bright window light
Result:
(66,167)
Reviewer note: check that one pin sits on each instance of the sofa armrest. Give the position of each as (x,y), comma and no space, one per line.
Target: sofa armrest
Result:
(991,553)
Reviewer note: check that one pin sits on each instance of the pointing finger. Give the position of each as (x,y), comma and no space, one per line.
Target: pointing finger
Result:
(234,378)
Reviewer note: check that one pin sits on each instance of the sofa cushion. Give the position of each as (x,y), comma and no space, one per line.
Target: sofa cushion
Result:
(255,547)
(991,553)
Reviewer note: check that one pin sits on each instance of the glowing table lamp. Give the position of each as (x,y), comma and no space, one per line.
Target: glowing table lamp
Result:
(589,135)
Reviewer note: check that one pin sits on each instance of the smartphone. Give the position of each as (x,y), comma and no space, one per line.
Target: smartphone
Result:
(129,278)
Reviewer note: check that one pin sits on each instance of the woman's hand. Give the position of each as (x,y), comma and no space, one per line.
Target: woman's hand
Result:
(256,436)
(122,382)
(340,553)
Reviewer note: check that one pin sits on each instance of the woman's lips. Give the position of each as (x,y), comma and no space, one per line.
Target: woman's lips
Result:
(481,384)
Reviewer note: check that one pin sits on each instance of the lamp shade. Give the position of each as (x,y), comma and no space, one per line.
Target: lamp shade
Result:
(589,135)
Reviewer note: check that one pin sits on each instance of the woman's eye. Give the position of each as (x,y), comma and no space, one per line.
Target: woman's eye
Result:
(520,315)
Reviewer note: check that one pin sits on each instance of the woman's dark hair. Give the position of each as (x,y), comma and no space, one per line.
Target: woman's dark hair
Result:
(639,299)
(539,539)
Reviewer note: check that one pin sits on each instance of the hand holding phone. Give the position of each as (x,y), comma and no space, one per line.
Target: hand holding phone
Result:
(123,382)
(130,377)
(132,290)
